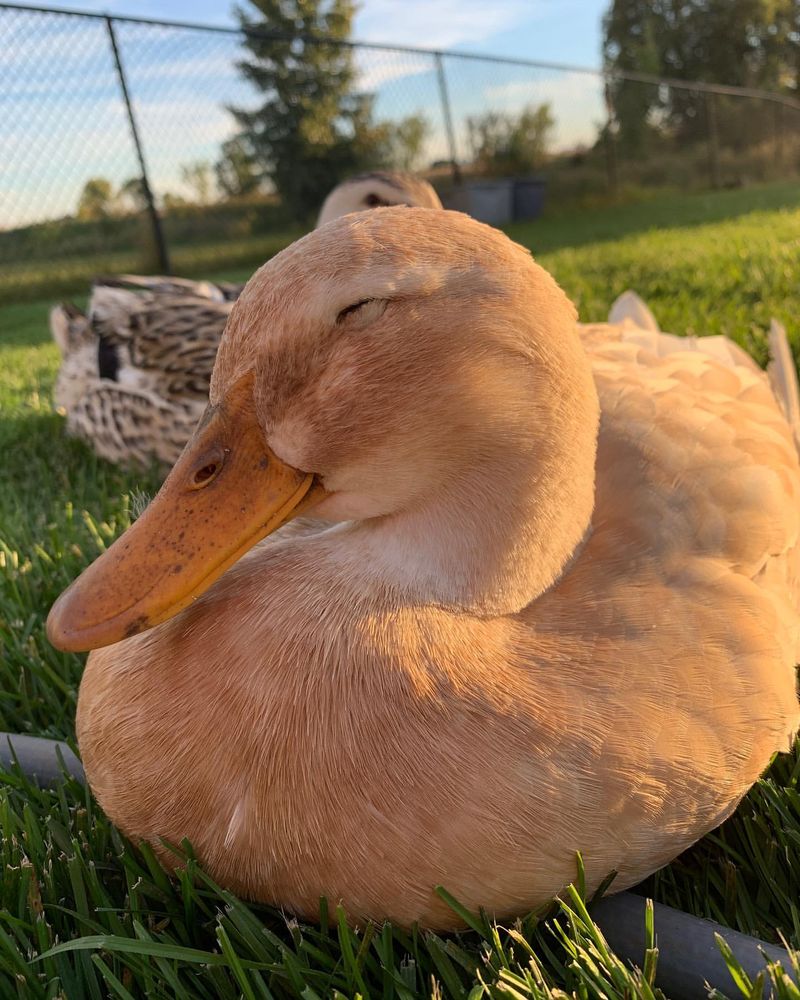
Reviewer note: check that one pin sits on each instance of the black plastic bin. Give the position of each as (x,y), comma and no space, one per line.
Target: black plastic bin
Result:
(528,198)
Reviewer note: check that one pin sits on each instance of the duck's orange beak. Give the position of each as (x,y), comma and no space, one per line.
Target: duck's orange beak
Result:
(226,492)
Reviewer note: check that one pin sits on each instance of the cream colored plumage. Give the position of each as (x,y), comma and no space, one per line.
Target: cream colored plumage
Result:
(378,189)
(559,609)
(135,370)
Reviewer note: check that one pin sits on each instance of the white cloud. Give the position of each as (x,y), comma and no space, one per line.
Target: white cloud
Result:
(376,67)
(438,24)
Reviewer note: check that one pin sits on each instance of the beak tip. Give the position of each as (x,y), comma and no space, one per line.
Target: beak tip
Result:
(60,627)
(68,630)
(57,634)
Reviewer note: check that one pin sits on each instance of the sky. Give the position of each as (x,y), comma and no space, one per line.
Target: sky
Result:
(565,31)
(62,121)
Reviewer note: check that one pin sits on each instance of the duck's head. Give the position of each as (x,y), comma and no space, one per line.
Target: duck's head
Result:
(379,189)
(405,370)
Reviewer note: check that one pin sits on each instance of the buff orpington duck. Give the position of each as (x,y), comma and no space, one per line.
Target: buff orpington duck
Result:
(553,606)
(135,370)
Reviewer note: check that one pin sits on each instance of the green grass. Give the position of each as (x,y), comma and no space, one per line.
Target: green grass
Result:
(30,280)
(570,227)
(101,913)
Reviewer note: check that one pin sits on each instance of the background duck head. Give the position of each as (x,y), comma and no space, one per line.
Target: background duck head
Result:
(379,189)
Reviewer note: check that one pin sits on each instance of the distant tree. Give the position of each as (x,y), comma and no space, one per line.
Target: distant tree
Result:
(172,201)
(782,46)
(130,197)
(199,178)
(407,141)
(236,169)
(753,43)
(96,200)
(504,144)
(311,128)
(630,28)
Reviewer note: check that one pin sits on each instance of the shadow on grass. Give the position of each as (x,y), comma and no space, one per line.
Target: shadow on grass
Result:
(575,228)
(46,468)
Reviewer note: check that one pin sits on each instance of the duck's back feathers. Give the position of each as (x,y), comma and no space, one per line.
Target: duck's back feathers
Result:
(129,424)
(637,323)
(713,454)
(223,291)
(135,370)
(167,342)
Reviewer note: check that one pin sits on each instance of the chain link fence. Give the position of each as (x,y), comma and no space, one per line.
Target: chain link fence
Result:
(118,141)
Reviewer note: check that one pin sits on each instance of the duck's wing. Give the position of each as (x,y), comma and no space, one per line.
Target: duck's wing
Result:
(631,320)
(160,284)
(677,626)
(166,343)
(698,461)
(134,374)
(128,425)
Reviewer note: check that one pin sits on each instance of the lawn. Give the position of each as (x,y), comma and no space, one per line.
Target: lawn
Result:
(723,263)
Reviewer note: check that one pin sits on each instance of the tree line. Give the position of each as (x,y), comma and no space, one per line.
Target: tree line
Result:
(746,43)
(311,125)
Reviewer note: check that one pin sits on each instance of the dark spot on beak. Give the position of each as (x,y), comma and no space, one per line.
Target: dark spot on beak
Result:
(136,626)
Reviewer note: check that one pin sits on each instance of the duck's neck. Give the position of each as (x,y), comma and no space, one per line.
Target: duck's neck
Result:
(500,531)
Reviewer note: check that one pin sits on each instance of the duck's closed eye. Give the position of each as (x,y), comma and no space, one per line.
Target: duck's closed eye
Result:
(361,313)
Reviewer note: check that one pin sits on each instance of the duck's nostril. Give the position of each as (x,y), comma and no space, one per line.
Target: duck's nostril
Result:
(206,474)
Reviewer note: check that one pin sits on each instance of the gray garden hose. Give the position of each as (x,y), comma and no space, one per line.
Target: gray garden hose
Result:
(688,954)
(39,759)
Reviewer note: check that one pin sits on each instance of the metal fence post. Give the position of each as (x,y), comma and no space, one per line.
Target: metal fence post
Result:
(448,118)
(155,219)
(779,127)
(713,138)
(610,144)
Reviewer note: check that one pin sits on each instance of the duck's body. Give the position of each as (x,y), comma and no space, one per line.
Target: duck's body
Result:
(135,369)
(549,641)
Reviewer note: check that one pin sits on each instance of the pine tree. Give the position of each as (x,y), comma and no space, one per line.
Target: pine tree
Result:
(311,128)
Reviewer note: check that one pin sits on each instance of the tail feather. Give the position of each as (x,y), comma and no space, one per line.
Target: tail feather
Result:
(67,325)
(783,376)
(629,306)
